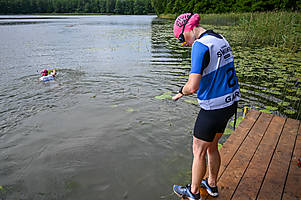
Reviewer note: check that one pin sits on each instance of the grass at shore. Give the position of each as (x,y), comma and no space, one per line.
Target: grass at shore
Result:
(278,29)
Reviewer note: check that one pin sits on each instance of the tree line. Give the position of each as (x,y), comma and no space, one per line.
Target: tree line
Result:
(223,6)
(130,7)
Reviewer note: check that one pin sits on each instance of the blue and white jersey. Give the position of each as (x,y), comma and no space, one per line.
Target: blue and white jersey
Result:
(211,56)
(47,78)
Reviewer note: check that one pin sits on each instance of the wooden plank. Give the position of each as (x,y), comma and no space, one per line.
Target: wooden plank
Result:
(233,143)
(233,173)
(253,177)
(273,184)
(292,189)
(230,147)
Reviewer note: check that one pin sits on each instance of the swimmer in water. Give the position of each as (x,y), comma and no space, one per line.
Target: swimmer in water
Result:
(46,76)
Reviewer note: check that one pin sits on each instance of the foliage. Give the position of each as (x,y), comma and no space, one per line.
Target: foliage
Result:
(223,6)
(144,6)
(76,6)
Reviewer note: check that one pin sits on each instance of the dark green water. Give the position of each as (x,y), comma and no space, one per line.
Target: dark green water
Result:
(106,128)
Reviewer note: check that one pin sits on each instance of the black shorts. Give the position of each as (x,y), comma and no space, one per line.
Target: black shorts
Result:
(210,122)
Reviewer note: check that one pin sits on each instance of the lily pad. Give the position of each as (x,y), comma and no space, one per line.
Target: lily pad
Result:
(228,131)
(166,95)
(290,112)
(280,85)
(2,192)
(276,92)
(243,90)
(266,111)
(195,102)
(292,98)
(283,103)
(71,185)
(271,108)
(291,90)
(129,110)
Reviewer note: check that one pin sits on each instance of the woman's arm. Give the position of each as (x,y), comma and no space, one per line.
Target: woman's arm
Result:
(190,87)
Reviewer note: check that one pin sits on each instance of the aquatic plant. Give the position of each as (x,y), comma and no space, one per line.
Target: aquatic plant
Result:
(166,95)
(225,19)
(266,111)
(71,185)
(129,110)
(2,193)
(283,103)
(289,112)
(279,29)
(271,108)
(192,101)
(238,120)
(228,131)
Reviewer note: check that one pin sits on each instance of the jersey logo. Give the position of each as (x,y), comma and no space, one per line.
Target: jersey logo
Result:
(224,51)
(232,97)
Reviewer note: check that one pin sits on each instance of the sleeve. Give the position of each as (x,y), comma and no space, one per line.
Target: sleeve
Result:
(200,58)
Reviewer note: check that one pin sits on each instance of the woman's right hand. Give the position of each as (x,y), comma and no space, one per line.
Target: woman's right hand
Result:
(177,96)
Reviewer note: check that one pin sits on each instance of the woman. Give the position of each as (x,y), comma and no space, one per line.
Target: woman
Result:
(213,78)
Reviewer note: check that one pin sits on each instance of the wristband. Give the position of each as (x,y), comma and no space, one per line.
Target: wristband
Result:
(181,90)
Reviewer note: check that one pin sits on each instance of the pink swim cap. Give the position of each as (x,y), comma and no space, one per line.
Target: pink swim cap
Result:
(181,20)
(44,72)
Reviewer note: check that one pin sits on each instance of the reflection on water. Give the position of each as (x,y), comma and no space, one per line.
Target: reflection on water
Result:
(35,18)
(27,20)
(106,128)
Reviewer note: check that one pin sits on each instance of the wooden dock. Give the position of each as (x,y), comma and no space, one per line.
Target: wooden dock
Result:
(259,160)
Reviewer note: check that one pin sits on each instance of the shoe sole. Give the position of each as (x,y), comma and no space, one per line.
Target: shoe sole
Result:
(211,194)
(208,191)
(182,196)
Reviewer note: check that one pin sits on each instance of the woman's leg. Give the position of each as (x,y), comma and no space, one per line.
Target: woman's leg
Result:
(199,163)
(214,160)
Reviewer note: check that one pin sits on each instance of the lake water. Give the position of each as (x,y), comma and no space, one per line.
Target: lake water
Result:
(103,129)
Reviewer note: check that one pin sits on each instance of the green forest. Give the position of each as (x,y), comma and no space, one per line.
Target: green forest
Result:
(223,6)
(127,7)
(141,7)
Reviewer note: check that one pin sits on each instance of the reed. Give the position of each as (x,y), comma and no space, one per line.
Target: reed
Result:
(227,19)
(278,29)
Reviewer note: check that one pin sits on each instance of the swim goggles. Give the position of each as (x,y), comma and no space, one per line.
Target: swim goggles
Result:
(181,36)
